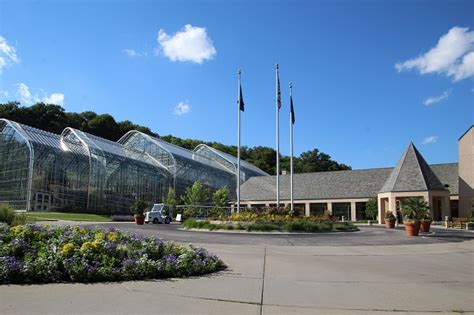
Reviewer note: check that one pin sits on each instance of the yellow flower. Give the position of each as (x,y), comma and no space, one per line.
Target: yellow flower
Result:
(96,244)
(99,236)
(113,236)
(86,246)
(67,250)
(18,229)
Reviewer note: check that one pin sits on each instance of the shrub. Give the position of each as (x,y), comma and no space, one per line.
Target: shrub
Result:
(371,209)
(414,209)
(264,227)
(291,226)
(139,207)
(35,254)
(10,217)
(7,214)
(389,216)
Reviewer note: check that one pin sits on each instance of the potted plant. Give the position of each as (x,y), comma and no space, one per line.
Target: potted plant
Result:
(138,209)
(413,210)
(389,220)
(426,222)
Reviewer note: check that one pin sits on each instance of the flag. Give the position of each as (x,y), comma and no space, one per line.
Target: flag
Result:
(241,100)
(279,92)
(292,111)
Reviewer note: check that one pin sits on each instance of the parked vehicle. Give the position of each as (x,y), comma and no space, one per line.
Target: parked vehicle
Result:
(159,213)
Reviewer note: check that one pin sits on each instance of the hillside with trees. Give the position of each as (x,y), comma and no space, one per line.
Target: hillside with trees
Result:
(54,118)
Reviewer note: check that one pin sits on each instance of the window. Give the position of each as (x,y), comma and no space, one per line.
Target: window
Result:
(340,209)
(318,208)
(360,211)
(454,208)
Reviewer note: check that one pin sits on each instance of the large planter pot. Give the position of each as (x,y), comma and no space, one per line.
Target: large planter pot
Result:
(389,224)
(425,226)
(470,226)
(139,219)
(412,228)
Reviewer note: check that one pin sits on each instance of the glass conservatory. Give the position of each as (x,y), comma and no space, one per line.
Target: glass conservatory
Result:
(74,171)
(211,167)
(77,171)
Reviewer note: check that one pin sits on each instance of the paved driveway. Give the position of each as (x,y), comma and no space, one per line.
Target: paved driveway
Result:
(331,274)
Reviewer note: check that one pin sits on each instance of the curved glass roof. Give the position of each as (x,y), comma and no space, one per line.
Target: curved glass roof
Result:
(226,160)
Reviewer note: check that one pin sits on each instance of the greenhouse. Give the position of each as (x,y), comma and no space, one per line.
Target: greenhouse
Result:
(77,171)
(211,167)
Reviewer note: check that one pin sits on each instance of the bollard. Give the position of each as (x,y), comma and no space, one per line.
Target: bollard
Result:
(446,221)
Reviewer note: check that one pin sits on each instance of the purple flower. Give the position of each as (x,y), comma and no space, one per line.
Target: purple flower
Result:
(12,263)
(171,259)
(18,241)
(128,262)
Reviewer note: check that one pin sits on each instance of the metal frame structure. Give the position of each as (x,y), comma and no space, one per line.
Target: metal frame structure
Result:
(74,171)
(186,166)
(77,171)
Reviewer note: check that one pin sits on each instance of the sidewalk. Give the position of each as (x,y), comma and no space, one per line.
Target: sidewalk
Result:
(280,280)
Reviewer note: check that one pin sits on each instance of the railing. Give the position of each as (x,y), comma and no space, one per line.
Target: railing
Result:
(198,211)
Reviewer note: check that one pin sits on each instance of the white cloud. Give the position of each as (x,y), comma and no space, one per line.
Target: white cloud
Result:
(24,93)
(452,56)
(436,99)
(28,98)
(190,44)
(7,54)
(55,98)
(182,108)
(133,53)
(430,140)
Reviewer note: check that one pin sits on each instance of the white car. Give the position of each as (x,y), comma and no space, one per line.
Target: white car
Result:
(156,214)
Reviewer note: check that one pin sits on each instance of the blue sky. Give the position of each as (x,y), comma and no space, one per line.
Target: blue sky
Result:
(351,100)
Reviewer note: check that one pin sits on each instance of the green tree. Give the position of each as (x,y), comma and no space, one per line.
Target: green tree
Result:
(53,118)
(104,126)
(220,198)
(371,209)
(170,199)
(197,194)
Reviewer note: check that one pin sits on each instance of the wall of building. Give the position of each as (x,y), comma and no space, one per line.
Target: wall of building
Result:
(466,173)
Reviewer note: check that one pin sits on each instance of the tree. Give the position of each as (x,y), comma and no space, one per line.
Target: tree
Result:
(372,209)
(104,126)
(197,194)
(53,118)
(171,199)
(220,198)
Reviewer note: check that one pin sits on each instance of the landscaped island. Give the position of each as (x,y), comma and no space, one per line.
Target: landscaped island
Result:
(268,220)
(41,254)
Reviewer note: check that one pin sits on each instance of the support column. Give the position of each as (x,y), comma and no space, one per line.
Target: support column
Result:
(329,204)
(392,204)
(353,211)
(445,207)
(307,209)
(381,209)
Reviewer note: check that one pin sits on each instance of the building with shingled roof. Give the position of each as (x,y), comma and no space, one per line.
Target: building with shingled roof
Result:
(448,187)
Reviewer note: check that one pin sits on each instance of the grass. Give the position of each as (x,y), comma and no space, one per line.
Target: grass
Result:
(54,216)
(294,226)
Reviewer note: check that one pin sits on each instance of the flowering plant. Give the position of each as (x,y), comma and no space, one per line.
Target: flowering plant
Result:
(40,254)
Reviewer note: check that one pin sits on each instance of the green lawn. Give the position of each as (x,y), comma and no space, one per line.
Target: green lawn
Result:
(53,216)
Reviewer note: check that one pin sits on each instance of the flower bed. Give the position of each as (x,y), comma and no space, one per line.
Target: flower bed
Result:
(39,254)
(296,225)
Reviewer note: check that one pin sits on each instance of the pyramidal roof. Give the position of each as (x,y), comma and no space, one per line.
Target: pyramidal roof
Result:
(412,173)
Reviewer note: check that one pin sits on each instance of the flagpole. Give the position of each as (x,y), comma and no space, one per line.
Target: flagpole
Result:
(291,150)
(238,143)
(277,140)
